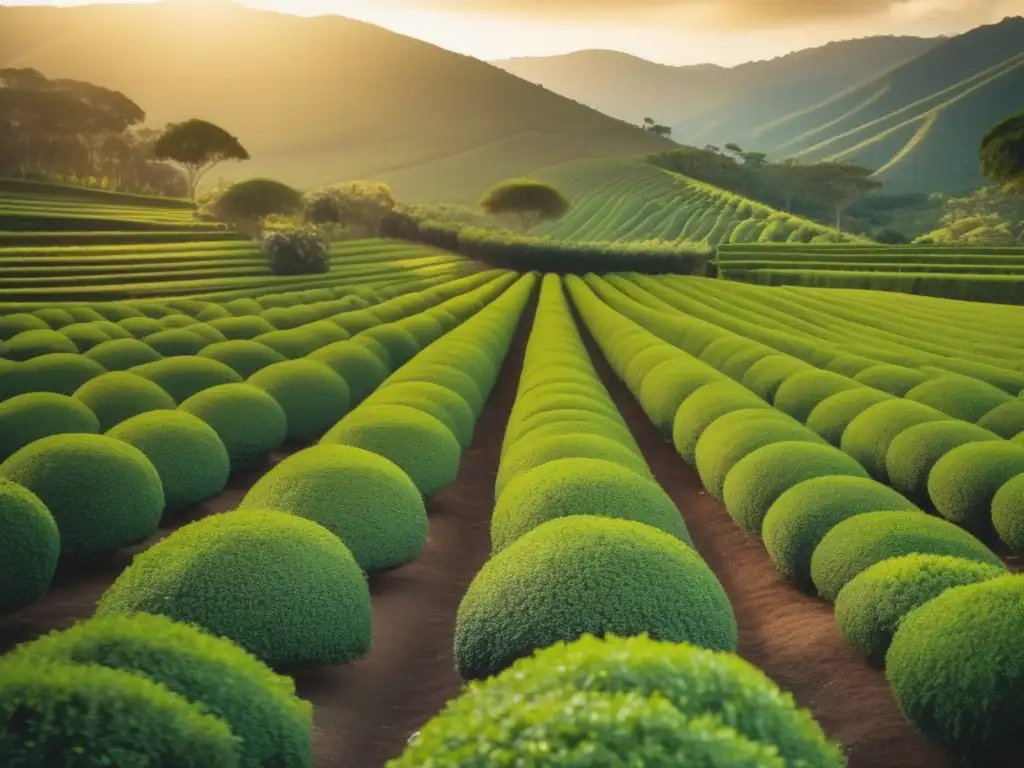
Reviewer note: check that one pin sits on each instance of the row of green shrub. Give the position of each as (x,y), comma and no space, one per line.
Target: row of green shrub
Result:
(584,540)
(825,523)
(24,188)
(48,239)
(748,270)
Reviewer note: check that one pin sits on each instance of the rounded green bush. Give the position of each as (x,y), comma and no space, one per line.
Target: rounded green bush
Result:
(894,379)
(868,437)
(1008,513)
(871,606)
(581,487)
(183,377)
(850,364)
(765,376)
(800,393)
(248,421)
(291,344)
(531,452)
(1006,420)
(601,424)
(54,317)
(915,451)
(358,366)
(113,330)
(312,395)
(19,322)
(694,680)
(114,311)
(213,312)
(423,328)
(435,400)
(738,434)
(120,395)
(547,398)
(83,314)
(242,328)
(284,588)
(86,715)
(29,547)
(757,481)
(964,482)
(705,406)
(84,336)
(959,396)
(103,494)
(239,307)
(833,415)
(29,344)
(355,322)
(362,498)
(400,344)
(272,724)
(60,373)
(140,327)
(588,575)
(445,375)
(856,544)
(30,417)
(207,332)
(799,519)
(122,354)
(176,342)
(423,447)
(242,356)
(188,455)
(955,668)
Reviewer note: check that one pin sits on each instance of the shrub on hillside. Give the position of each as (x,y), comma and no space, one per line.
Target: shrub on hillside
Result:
(359,367)
(833,415)
(29,417)
(60,373)
(242,356)
(802,392)
(440,402)
(1008,513)
(299,251)
(249,422)
(253,200)
(1006,420)
(667,386)
(962,397)
(120,395)
(29,344)
(702,408)
(312,395)
(247,327)
(963,483)
(183,377)
(868,437)
(29,547)
(176,342)
(122,354)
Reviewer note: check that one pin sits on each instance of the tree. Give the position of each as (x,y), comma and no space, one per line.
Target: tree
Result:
(840,185)
(197,146)
(255,199)
(1002,153)
(361,205)
(532,201)
(787,179)
(651,126)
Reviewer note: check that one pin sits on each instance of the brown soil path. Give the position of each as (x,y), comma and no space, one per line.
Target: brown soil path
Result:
(789,634)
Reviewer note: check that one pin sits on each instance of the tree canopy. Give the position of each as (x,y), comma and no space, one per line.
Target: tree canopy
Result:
(532,201)
(352,204)
(255,199)
(197,146)
(1002,152)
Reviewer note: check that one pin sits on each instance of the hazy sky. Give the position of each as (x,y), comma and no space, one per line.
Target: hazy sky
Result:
(670,31)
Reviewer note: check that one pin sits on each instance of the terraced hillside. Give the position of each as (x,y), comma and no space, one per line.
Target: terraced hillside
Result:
(631,200)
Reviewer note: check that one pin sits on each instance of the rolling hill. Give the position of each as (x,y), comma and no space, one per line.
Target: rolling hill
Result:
(319,100)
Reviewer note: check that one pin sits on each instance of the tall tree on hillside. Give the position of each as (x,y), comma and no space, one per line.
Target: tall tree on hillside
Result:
(840,185)
(197,146)
(531,201)
(787,179)
(1002,152)
(652,126)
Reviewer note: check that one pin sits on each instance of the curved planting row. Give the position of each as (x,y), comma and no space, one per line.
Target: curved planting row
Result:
(827,524)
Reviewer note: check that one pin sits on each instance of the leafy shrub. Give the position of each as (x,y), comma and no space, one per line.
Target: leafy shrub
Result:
(293,343)
(140,327)
(564,421)
(765,376)
(188,455)
(800,393)
(359,367)
(29,344)
(273,726)
(954,667)
(299,251)
(757,481)
(701,409)
(207,332)
(237,575)
(242,356)
(581,487)
(799,519)
(1006,420)
(1008,513)
(29,547)
(248,421)
(255,199)
(29,417)
(871,606)
(435,400)
(19,322)
(120,395)
(312,396)
(185,376)
(962,397)
(103,494)
(122,354)
(84,336)
(964,482)
(176,342)
(246,327)
(894,379)
(419,444)
(868,437)
(583,575)
(399,343)
(362,498)
(60,373)
(833,415)
(856,544)
(70,714)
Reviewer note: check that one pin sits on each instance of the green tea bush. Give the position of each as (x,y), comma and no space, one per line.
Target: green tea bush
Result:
(284,588)
(1008,513)
(871,606)
(374,346)
(207,332)
(19,322)
(177,320)
(446,375)
(799,519)
(214,312)
(355,321)
(188,455)
(29,344)
(60,373)
(400,344)
(84,336)
(242,328)
(894,379)
(122,354)
(103,494)
(54,317)
(581,487)
(859,542)
(141,327)
(954,667)
(298,251)
(915,451)
(757,481)
(272,725)
(79,715)
(423,447)
(765,376)
(423,328)
(248,421)
(242,356)
(312,395)
(435,400)
(959,396)
(833,415)
(359,367)
(120,395)
(701,409)
(964,482)
(362,498)
(588,575)
(291,344)
(176,342)
(1006,420)
(185,376)
(800,393)
(29,547)
(30,417)
(868,437)
(565,421)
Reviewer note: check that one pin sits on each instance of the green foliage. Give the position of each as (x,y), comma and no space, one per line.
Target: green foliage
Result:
(188,455)
(440,402)
(59,373)
(183,377)
(593,575)
(401,346)
(255,199)
(197,146)
(85,336)
(799,519)
(237,575)
(532,201)
(297,251)
(29,417)
(362,370)
(859,542)
(800,393)
(242,356)
(358,206)
(871,606)
(833,415)
(86,715)
(1007,420)
(362,498)
(1002,151)
(868,437)
(247,327)
(19,322)
(312,395)
(954,667)
(29,344)
(959,396)
(176,342)
(103,494)
(29,548)
(1008,513)
(120,395)
(963,483)
(122,354)
(765,376)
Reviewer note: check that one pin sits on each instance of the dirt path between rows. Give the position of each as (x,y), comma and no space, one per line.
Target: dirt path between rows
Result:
(790,635)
